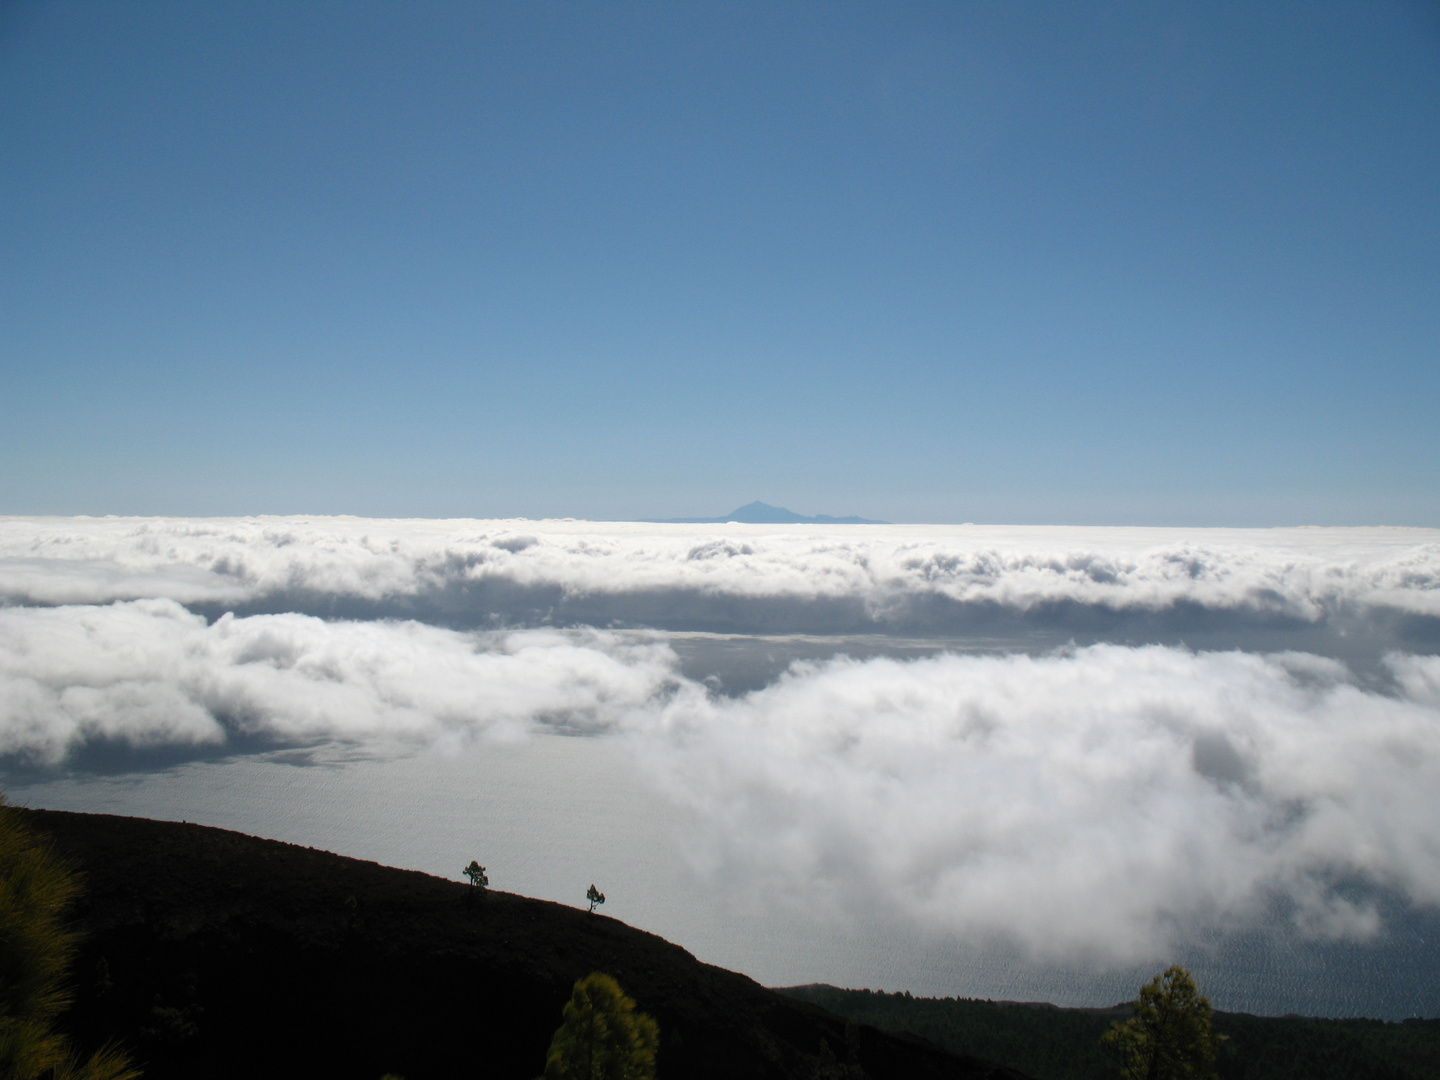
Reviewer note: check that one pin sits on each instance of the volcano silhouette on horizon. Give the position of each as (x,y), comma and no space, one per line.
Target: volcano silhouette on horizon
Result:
(759,513)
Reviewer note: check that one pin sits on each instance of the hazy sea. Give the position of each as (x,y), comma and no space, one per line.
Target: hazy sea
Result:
(1029,764)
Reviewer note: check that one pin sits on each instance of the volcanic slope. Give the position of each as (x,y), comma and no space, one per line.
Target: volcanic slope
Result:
(211,953)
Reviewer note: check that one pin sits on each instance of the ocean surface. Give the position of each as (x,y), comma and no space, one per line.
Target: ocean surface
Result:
(1023,764)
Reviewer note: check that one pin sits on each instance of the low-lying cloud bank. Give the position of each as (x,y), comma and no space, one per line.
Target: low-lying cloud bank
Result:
(148,673)
(1135,584)
(1102,804)
(1098,804)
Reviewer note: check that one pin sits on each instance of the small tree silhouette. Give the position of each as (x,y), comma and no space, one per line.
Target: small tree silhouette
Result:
(476,873)
(595,896)
(603,1036)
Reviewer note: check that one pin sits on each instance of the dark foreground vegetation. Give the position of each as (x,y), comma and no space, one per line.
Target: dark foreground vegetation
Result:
(211,954)
(37,946)
(1050,1043)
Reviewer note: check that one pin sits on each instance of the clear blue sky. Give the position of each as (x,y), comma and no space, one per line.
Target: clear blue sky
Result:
(1012,262)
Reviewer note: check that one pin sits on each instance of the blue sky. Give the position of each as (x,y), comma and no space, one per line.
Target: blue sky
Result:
(1051,263)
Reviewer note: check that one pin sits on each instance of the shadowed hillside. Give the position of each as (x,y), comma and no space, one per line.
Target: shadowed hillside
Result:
(1053,1043)
(221,955)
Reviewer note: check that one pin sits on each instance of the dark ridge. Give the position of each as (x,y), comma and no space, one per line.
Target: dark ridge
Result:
(215,954)
(759,513)
(1054,1043)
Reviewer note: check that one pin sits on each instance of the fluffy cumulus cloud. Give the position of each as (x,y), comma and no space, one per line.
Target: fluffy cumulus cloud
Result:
(745,577)
(1103,804)
(148,673)
(1095,803)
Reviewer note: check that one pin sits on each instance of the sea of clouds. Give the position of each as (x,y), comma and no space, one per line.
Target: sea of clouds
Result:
(1099,797)
(740,577)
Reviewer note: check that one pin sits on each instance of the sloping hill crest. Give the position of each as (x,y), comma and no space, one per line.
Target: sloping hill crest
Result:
(222,955)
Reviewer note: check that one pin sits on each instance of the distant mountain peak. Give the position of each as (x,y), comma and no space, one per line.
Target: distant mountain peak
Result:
(759,513)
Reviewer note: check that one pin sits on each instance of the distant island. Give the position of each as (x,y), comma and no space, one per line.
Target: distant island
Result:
(759,513)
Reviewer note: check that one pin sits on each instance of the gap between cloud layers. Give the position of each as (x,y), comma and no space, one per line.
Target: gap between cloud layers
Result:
(1100,804)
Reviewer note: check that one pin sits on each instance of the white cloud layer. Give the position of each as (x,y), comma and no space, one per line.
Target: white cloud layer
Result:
(149,673)
(523,571)
(1098,803)
(1101,804)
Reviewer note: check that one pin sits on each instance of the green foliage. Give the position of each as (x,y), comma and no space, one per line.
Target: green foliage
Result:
(36,948)
(595,896)
(1307,1048)
(1049,1043)
(476,873)
(1040,1041)
(1168,1036)
(603,1036)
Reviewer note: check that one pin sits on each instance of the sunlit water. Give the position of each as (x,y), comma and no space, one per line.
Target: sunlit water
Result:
(1055,761)
(550,814)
